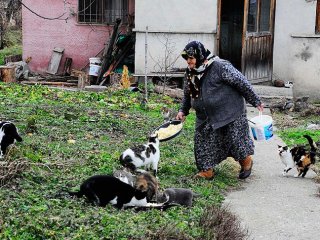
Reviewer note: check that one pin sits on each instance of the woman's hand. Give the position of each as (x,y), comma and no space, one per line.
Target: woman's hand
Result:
(181,116)
(260,107)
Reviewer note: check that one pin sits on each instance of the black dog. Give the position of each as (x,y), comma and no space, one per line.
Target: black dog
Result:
(8,133)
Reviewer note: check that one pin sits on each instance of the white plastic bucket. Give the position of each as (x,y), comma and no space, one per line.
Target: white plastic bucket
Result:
(94,70)
(261,127)
(95,61)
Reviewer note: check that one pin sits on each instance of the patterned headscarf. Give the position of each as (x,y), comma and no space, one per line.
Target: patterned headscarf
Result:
(197,50)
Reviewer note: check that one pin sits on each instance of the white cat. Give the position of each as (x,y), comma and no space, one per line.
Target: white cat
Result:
(286,158)
(147,155)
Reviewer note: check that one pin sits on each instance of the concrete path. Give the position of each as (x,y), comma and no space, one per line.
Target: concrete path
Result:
(273,207)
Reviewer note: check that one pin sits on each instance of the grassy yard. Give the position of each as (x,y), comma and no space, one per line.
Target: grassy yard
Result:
(13,44)
(102,125)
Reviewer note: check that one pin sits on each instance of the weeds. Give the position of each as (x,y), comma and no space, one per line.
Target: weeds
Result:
(101,126)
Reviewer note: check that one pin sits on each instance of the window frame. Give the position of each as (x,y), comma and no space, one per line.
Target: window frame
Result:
(257,30)
(96,12)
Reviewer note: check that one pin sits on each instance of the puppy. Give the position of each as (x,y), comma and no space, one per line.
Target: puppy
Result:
(8,134)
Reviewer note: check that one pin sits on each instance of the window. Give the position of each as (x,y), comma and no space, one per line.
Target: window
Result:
(318,17)
(259,16)
(102,11)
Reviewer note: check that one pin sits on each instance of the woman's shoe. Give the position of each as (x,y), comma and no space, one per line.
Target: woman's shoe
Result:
(246,167)
(209,174)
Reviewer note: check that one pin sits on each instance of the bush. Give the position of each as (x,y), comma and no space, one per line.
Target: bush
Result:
(220,224)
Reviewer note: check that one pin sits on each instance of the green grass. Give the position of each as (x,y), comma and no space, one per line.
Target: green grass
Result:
(294,135)
(102,125)
(13,44)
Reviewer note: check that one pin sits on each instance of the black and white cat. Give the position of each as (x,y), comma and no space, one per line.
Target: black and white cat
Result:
(146,155)
(286,158)
(8,135)
(103,189)
(181,196)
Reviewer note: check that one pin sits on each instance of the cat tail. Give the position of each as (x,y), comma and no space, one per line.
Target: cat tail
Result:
(312,143)
(195,195)
(313,148)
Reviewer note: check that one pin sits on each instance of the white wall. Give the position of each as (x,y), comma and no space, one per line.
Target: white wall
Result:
(180,21)
(296,47)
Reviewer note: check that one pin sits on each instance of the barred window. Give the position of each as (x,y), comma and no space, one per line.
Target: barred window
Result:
(102,11)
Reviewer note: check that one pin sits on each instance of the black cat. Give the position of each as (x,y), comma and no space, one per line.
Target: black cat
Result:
(103,189)
(8,134)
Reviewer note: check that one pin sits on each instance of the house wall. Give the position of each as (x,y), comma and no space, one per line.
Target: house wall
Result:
(177,22)
(296,53)
(41,36)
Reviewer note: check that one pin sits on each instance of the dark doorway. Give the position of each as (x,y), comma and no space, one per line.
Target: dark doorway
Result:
(231,28)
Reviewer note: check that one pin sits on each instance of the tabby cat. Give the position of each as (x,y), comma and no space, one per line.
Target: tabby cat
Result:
(125,176)
(168,113)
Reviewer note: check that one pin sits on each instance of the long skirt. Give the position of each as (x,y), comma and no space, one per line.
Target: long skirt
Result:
(212,146)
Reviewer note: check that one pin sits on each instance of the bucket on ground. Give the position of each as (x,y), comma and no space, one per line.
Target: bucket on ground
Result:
(95,66)
(261,127)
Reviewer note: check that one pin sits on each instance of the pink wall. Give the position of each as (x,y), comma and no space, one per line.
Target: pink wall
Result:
(41,36)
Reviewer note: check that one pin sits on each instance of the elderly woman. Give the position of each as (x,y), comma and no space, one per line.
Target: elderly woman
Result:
(217,92)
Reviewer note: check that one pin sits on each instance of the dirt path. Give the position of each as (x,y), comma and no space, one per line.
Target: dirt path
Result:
(274,207)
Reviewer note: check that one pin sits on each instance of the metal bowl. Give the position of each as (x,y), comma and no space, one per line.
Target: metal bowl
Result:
(165,125)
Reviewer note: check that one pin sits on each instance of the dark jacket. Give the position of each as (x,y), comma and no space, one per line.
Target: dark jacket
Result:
(222,94)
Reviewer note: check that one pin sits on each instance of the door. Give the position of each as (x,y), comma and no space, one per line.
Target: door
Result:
(245,36)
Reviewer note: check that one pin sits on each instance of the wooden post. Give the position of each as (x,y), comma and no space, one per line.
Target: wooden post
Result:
(83,81)
(8,74)
(146,64)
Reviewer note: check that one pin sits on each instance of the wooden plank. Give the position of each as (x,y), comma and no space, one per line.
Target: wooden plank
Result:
(66,84)
(55,60)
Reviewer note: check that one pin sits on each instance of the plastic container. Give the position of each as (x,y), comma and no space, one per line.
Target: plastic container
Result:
(94,70)
(95,61)
(261,127)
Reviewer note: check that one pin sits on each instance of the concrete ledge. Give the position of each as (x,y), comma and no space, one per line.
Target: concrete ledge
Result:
(95,88)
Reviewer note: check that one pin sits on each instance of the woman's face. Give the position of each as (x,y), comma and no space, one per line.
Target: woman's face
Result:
(191,61)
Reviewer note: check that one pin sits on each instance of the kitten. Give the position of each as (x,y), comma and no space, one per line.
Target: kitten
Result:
(303,158)
(103,189)
(286,158)
(147,183)
(8,135)
(125,177)
(181,196)
(168,113)
(142,155)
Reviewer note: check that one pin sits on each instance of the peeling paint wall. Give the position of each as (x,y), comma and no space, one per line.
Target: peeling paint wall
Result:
(296,55)
(41,36)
